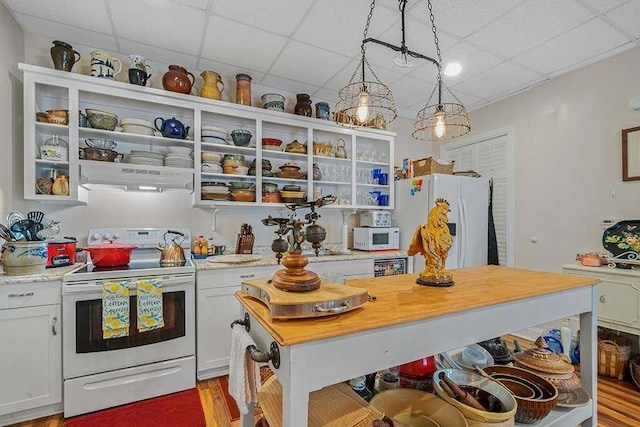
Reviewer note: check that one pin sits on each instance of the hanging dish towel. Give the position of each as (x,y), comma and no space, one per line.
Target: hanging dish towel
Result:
(149,296)
(244,372)
(115,309)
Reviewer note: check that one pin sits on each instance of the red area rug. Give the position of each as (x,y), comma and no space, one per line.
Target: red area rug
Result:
(181,409)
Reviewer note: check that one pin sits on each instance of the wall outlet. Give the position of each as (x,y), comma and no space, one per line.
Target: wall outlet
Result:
(608,222)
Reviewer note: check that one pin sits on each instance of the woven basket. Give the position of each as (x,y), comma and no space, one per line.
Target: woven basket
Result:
(613,356)
(430,165)
(634,367)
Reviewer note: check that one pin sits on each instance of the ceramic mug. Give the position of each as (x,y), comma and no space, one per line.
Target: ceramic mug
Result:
(104,65)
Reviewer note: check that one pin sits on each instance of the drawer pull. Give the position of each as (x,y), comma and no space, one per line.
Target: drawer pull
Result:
(340,309)
(25,294)
(54,323)
(247,276)
(263,357)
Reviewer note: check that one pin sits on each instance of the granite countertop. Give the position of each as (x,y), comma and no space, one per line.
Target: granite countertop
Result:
(49,275)
(270,259)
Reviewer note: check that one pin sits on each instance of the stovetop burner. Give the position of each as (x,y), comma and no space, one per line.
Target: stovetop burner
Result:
(133,265)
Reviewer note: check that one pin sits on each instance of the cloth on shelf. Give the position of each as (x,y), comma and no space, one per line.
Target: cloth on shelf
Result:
(150,312)
(115,309)
(244,372)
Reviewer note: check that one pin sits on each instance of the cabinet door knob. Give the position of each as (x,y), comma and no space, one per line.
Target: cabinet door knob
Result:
(602,299)
(54,323)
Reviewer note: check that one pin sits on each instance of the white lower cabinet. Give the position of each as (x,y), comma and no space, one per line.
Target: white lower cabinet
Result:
(31,356)
(217,307)
(618,296)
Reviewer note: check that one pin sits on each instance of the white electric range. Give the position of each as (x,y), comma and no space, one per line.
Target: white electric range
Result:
(100,373)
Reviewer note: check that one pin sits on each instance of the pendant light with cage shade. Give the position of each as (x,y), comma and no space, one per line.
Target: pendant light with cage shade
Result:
(370,103)
(363,102)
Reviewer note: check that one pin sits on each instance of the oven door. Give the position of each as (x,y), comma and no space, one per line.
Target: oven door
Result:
(86,352)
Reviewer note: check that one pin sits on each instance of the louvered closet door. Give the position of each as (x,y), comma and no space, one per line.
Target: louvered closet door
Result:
(491,156)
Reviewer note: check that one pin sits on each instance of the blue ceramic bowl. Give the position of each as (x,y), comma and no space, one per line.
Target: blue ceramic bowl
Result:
(241,137)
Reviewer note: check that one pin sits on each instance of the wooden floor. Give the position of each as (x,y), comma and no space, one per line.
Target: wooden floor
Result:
(618,406)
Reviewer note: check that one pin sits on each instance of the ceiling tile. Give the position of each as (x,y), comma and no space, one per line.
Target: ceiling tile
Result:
(338,25)
(229,71)
(409,91)
(343,77)
(166,25)
(288,85)
(266,15)
(463,17)
(249,47)
(503,78)
(569,49)
(200,4)
(91,14)
(308,64)
(472,60)
(68,34)
(529,25)
(603,5)
(627,17)
(163,56)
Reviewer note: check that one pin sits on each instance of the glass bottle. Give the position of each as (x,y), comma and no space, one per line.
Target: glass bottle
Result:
(243,89)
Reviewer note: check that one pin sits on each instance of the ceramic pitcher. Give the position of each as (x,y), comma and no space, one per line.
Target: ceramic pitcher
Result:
(104,65)
(63,55)
(213,85)
(140,63)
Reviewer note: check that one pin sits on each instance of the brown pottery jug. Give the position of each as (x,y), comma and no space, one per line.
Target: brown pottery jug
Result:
(177,79)
(303,106)
(63,56)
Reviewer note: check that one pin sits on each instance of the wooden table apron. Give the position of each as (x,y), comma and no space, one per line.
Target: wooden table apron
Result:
(407,322)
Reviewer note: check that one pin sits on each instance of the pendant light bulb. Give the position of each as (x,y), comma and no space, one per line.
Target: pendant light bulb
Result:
(440,129)
(362,112)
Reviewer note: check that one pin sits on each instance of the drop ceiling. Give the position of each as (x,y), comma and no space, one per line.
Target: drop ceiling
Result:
(313,46)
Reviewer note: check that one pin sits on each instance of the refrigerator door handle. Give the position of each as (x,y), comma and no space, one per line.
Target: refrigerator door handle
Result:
(462,244)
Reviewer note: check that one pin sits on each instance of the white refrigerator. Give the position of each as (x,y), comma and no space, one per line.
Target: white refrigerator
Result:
(468,220)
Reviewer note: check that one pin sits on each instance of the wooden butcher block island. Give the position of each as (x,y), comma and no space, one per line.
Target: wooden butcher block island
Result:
(407,321)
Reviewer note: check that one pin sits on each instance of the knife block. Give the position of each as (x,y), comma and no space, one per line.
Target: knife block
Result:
(244,243)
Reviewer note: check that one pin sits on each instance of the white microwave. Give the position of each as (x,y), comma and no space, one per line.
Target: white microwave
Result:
(376,238)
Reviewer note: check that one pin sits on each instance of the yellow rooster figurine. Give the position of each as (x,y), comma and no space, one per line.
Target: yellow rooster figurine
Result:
(433,241)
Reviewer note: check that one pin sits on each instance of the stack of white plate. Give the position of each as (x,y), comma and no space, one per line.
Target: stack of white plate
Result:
(149,158)
(178,161)
(214,135)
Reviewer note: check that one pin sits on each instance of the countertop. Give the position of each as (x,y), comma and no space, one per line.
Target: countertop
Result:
(270,259)
(49,275)
(474,288)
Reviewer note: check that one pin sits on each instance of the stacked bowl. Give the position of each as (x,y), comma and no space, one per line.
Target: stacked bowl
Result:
(137,127)
(211,162)
(214,191)
(179,157)
(215,135)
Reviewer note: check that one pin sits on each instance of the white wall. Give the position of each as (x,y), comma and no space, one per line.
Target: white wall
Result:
(11,52)
(111,209)
(568,159)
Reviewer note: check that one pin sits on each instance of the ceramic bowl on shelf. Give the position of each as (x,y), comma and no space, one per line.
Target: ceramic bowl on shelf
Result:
(242,185)
(99,119)
(58,117)
(181,151)
(137,127)
(241,137)
(272,144)
(211,168)
(242,170)
(215,132)
(211,157)
(247,195)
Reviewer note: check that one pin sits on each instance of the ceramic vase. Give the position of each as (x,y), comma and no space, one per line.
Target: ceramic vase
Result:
(63,56)
(303,105)
(213,85)
(177,79)
(243,89)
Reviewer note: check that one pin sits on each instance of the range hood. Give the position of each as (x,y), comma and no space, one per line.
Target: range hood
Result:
(127,176)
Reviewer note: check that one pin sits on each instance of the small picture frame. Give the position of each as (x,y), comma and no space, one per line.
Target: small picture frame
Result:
(631,154)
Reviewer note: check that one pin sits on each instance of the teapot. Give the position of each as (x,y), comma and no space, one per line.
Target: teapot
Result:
(171,128)
(172,252)
(60,186)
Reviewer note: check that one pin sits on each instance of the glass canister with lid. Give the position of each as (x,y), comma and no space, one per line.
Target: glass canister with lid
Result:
(243,89)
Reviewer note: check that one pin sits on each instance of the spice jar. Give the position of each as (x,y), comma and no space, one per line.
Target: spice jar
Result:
(243,89)
(303,106)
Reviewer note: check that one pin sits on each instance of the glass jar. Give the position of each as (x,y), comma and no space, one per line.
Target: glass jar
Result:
(243,89)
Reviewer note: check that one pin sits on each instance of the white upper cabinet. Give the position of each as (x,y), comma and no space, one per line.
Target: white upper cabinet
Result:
(346,159)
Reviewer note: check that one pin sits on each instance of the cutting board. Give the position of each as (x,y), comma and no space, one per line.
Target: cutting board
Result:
(329,299)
